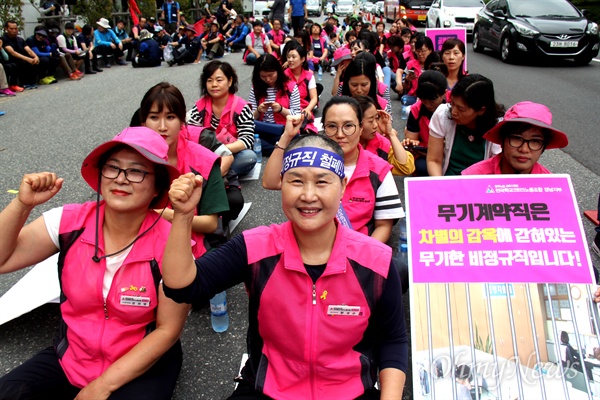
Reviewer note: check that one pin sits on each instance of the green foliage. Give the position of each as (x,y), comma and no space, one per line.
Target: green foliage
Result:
(479,345)
(11,10)
(148,8)
(593,6)
(92,10)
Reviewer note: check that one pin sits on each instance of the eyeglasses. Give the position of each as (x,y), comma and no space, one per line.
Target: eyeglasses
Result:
(133,175)
(533,144)
(348,129)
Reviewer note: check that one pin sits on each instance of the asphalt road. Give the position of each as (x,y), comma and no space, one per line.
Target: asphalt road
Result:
(54,127)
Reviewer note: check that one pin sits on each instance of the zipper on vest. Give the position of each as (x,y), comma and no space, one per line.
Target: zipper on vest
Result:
(314,294)
(105,310)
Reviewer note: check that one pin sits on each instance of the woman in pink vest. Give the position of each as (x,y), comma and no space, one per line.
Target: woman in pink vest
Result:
(297,71)
(273,96)
(119,334)
(431,93)
(370,204)
(229,115)
(319,328)
(379,138)
(453,55)
(360,80)
(163,110)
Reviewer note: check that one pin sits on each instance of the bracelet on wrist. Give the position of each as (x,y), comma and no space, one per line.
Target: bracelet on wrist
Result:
(277,146)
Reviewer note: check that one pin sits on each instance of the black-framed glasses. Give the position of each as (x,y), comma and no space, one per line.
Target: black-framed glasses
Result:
(133,175)
(533,144)
(348,129)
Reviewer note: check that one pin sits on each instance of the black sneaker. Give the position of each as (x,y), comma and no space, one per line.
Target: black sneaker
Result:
(97,69)
(90,72)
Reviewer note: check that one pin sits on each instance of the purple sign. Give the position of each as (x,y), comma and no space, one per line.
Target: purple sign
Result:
(496,229)
(440,35)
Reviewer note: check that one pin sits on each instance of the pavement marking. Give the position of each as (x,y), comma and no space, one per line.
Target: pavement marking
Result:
(12,191)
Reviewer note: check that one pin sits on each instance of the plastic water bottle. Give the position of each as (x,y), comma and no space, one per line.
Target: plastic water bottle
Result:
(403,232)
(405,108)
(320,73)
(218,312)
(257,148)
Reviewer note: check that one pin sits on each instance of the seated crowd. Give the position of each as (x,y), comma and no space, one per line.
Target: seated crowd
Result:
(455,126)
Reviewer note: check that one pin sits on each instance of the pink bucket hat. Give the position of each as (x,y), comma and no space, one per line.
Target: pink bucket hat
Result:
(341,54)
(530,113)
(141,139)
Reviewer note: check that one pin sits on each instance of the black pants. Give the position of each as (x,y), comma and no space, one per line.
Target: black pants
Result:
(145,62)
(297,24)
(26,72)
(10,69)
(47,66)
(42,377)
(238,46)
(106,51)
(87,61)
(184,56)
(129,47)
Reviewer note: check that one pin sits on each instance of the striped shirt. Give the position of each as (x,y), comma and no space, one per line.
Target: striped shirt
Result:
(244,124)
(271,97)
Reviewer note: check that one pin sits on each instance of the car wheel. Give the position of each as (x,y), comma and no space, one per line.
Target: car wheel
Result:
(507,50)
(477,47)
(583,59)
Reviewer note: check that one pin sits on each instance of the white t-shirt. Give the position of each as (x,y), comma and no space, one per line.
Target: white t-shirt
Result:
(52,220)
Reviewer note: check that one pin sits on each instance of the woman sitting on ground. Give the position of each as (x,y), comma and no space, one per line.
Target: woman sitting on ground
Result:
(431,92)
(379,138)
(119,334)
(314,349)
(456,130)
(273,96)
(371,204)
(229,115)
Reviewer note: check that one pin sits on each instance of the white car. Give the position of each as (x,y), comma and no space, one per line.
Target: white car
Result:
(368,7)
(453,14)
(344,8)
(313,7)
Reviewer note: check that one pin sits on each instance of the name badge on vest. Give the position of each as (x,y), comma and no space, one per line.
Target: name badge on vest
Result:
(350,311)
(135,301)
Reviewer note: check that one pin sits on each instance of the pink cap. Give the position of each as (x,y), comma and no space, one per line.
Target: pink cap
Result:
(531,113)
(145,141)
(341,54)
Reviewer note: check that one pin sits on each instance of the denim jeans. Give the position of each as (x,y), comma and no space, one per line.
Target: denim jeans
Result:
(410,100)
(244,161)
(387,76)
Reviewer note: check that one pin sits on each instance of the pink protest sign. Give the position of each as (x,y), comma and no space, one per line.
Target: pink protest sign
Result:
(440,35)
(496,228)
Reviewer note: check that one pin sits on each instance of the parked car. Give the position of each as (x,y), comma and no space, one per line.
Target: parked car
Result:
(368,7)
(344,8)
(314,7)
(453,14)
(549,28)
(416,10)
(378,9)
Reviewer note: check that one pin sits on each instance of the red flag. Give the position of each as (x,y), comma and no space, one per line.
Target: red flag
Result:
(134,10)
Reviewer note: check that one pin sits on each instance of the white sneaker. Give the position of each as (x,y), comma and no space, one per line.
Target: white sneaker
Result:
(332,72)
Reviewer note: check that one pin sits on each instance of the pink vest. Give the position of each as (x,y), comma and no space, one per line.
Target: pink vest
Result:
(94,335)
(380,146)
(308,354)
(415,109)
(302,83)
(415,65)
(226,131)
(252,38)
(491,166)
(359,197)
